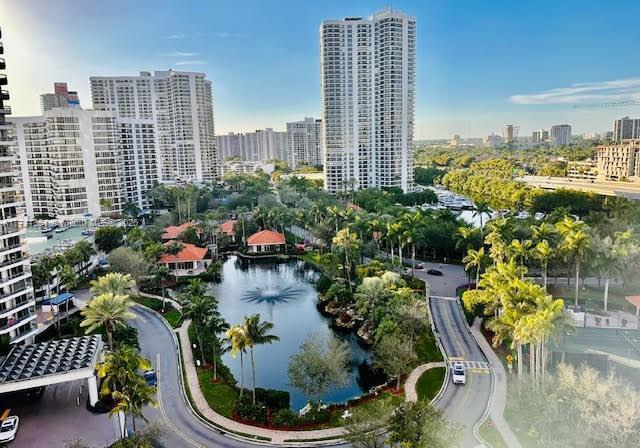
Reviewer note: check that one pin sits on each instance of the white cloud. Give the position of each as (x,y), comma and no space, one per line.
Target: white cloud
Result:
(229,35)
(192,62)
(176,36)
(604,91)
(180,54)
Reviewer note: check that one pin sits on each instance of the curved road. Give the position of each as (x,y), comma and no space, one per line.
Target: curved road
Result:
(181,427)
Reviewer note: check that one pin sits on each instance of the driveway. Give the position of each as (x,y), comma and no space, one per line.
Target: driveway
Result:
(58,418)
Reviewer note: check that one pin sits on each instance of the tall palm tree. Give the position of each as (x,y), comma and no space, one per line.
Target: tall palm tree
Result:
(197,307)
(257,333)
(109,310)
(69,278)
(519,250)
(543,232)
(543,253)
(576,242)
(480,209)
(132,400)
(466,238)
(112,283)
(162,274)
(215,325)
(120,368)
(347,242)
(86,251)
(413,234)
(238,341)
(475,259)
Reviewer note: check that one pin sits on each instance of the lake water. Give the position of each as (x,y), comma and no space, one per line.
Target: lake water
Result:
(282,293)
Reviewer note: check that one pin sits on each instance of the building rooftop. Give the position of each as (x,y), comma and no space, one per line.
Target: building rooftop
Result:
(189,252)
(227,227)
(50,358)
(172,232)
(265,238)
(59,299)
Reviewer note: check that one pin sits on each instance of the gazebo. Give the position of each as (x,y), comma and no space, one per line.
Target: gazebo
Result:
(265,241)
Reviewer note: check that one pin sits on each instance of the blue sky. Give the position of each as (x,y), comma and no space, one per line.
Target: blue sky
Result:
(481,64)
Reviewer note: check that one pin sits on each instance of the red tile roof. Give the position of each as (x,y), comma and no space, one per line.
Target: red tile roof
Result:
(189,252)
(227,227)
(172,232)
(634,300)
(265,238)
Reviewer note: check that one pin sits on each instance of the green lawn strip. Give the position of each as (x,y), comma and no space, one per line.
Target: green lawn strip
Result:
(220,396)
(491,435)
(311,257)
(429,383)
(427,349)
(593,296)
(171,314)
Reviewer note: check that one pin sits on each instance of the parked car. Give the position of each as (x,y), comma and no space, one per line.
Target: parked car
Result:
(9,428)
(457,374)
(151,377)
(420,266)
(434,272)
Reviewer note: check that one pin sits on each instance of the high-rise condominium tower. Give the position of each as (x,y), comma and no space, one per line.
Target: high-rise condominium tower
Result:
(626,128)
(560,134)
(17,303)
(304,140)
(61,97)
(178,105)
(368,96)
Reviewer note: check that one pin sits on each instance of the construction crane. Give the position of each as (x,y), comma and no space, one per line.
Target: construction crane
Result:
(607,105)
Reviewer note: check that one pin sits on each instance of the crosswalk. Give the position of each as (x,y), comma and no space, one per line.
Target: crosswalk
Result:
(474,366)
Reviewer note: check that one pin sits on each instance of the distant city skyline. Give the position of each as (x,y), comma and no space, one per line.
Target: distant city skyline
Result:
(479,67)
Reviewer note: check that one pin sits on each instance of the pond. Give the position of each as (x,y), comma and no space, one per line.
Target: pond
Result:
(282,293)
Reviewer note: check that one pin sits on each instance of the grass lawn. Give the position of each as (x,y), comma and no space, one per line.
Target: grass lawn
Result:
(336,420)
(593,296)
(429,383)
(219,396)
(491,435)
(427,349)
(311,257)
(171,314)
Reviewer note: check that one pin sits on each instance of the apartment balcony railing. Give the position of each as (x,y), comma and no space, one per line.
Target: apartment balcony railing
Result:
(31,328)
(4,95)
(5,110)
(3,65)
(15,306)
(3,78)
(12,322)
(13,261)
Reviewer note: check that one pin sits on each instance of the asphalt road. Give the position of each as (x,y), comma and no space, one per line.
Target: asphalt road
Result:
(181,427)
(462,404)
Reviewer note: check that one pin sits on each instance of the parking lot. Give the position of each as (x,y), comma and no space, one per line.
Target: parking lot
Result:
(58,417)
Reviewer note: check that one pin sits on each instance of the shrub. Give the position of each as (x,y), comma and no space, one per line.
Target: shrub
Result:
(323,284)
(271,398)
(249,411)
(340,294)
(285,417)
(315,415)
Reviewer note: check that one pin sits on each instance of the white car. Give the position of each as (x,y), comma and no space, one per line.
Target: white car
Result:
(457,374)
(9,428)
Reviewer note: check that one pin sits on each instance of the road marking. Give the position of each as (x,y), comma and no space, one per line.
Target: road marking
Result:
(164,414)
(455,358)
(478,365)
(451,329)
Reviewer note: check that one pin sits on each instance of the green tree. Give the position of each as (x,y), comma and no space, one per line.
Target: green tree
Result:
(109,310)
(198,306)
(394,355)
(108,238)
(365,427)
(214,326)
(238,342)
(346,242)
(575,245)
(480,209)
(114,283)
(162,275)
(413,235)
(128,261)
(257,333)
(420,425)
(475,259)
(133,398)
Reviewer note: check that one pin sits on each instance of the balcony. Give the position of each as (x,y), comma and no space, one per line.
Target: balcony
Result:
(15,321)
(4,95)
(5,110)
(25,332)
(15,307)
(3,79)
(3,65)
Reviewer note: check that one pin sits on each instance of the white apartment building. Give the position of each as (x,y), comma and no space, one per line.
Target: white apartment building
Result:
(619,161)
(18,318)
(626,128)
(69,163)
(259,146)
(304,139)
(245,167)
(560,134)
(368,100)
(539,136)
(179,106)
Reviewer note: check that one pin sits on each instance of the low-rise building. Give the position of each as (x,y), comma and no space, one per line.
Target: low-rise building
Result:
(189,262)
(173,232)
(245,167)
(586,169)
(266,241)
(619,161)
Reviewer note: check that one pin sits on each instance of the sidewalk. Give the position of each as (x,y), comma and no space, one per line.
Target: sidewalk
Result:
(499,400)
(277,436)
(410,392)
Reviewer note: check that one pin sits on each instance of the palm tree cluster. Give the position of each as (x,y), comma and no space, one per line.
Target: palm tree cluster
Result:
(246,336)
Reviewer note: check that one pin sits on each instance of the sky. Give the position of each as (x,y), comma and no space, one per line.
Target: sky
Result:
(480,64)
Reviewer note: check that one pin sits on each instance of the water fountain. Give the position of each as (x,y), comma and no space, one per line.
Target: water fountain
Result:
(272,294)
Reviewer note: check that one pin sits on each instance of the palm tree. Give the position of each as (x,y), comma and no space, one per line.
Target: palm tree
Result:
(238,341)
(466,238)
(575,244)
(257,333)
(69,278)
(215,325)
(162,274)
(519,250)
(480,209)
(543,232)
(413,235)
(543,253)
(475,258)
(347,242)
(113,283)
(132,399)
(109,310)
(86,251)
(198,307)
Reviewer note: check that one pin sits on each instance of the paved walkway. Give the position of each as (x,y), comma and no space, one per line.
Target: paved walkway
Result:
(277,437)
(175,304)
(411,394)
(499,399)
